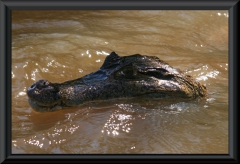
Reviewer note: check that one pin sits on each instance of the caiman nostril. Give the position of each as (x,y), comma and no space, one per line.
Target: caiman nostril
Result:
(32,86)
(45,83)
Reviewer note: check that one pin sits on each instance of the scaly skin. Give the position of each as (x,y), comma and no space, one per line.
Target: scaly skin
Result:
(119,77)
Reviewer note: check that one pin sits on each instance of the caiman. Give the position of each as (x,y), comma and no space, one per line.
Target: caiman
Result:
(118,77)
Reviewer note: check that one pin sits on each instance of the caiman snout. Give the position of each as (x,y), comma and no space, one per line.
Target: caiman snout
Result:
(44,93)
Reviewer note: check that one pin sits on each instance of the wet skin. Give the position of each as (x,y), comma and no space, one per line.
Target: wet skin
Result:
(119,77)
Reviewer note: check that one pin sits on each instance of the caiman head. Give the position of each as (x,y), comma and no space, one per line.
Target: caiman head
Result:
(126,76)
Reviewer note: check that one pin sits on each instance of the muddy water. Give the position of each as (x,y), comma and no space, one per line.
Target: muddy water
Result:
(64,45)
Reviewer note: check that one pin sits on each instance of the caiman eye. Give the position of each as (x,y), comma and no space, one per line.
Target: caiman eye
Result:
(126,72)
(158,73)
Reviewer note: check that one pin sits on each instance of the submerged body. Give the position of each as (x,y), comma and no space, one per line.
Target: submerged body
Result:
(119,77)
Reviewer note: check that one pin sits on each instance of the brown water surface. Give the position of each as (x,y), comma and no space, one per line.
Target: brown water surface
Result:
(65,45)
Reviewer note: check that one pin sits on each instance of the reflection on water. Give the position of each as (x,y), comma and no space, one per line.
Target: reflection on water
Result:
(65,45)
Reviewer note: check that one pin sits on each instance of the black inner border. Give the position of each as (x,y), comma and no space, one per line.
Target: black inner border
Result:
(5,76)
